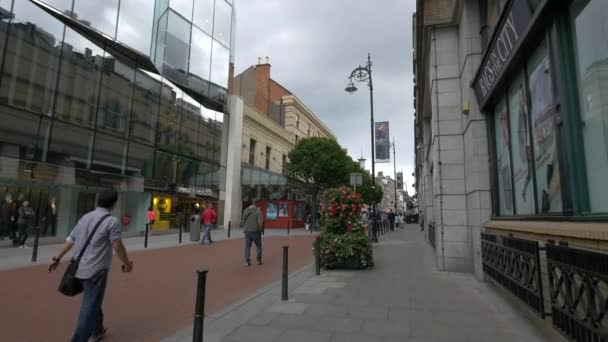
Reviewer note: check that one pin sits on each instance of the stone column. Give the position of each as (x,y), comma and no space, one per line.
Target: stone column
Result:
(233,202)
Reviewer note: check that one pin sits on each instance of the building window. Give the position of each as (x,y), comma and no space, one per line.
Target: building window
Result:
(526,155)
(284,163)
(308,130)
(268,157)
(297,122)
(252,152)
(297,138)
(589,27)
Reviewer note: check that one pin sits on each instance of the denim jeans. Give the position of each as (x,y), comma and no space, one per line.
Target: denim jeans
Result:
(206,233)
(90,321)
(255,237)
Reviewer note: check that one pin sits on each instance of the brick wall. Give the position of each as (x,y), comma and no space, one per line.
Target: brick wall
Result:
(438,11)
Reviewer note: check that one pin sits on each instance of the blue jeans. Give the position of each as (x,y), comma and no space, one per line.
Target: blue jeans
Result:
(90,321)
(206,233)
(255,237)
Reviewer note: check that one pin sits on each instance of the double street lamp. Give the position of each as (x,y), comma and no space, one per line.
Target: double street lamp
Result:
(364,74)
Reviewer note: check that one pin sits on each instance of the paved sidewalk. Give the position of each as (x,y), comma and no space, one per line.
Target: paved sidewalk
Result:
(12,258)
(403,298)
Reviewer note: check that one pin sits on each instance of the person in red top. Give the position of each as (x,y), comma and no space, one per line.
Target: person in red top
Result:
(208,217)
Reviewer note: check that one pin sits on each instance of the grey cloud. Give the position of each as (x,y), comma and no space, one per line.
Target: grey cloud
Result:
(314,45)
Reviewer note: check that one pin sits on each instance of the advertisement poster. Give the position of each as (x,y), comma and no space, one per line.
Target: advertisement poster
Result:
(383,146)
(271,211)
(283,210)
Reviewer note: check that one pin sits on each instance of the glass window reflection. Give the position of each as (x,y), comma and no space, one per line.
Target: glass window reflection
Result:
(79,80)
(144,112)
(222,25)
(200,56)
(100,15)
(109,155)
(219,65)
(183,7)
(168,119)
(190,114)
(70,145)
(115,98)
(31,59)
(140,162)
(19,134)
(203,15)
(176,47)
(135,24)
(61,5)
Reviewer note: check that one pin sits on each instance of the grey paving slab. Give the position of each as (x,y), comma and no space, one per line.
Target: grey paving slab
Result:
(288,308)
(387,328)
(340,324)
(302,335)
(250,333)
(325,309)
(309,290)
(293,321)
(263,318)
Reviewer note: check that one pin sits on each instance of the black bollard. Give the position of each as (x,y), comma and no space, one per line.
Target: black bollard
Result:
(146,235)
(36,240)
(199,308)
(229,229)
(179,239)
(318,256)
(285,271)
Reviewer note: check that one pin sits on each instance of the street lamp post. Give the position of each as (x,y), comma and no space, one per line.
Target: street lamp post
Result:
(364,74)
(395,173)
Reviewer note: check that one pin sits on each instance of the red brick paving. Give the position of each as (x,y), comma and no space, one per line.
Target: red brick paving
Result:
(151,303)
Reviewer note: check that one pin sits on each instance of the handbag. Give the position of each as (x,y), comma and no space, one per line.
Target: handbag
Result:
(69,284)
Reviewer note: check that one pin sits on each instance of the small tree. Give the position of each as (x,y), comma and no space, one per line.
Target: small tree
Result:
(318,164)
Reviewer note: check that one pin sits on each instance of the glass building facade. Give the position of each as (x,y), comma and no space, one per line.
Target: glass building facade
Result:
(128,94)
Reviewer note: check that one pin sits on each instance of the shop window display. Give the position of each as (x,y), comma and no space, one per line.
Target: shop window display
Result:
(503,161)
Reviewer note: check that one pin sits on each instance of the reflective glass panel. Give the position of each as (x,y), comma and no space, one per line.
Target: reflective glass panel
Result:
(110,152)
(203,175)
(222,25)
(141,160)
(183,7)
(503,161)
(168,119)
(200,54)
(203,15)
(71,145)
(115,98)
(135,24)
(31,59)
(185,172)
(590,27)
(165,165)
(146,101)
(100,15)
(219,65)
(218,138)
(19,133)
(61,5)
(79,80)
(5,17)
(190,115)
(205,136)
(521,148)
(544,133)
(177,45)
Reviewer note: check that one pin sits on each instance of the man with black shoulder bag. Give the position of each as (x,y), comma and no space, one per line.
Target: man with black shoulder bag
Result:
(92,240)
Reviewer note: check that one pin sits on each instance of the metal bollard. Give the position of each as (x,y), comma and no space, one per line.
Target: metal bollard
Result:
(199,308)
(318,256)
(285,273)
(35,250)
(229,229)
(180,234)
(146,236)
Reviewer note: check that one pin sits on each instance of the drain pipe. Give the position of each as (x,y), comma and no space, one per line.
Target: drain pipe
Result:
(439,151)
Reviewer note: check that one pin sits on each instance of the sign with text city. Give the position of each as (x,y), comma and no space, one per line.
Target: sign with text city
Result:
(505,41)
(383,145)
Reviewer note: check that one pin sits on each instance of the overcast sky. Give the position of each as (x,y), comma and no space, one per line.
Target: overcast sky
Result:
(314,45)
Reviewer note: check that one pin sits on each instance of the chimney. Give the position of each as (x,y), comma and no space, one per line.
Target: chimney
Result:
(262,86)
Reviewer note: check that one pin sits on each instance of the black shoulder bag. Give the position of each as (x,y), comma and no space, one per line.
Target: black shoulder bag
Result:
(70,285)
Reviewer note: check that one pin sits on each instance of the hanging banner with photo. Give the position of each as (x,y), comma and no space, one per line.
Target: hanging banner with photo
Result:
(271,211)
(383,146)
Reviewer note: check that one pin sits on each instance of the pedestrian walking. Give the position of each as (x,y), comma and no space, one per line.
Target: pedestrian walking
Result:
(398,221)
(253,225)
(208,217)
(308,221)
(24,222)
(151,216)
(95,260)
(391,219)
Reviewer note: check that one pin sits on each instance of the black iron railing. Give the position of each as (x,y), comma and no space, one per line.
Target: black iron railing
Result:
(578,281)
(515,264)
(431,231)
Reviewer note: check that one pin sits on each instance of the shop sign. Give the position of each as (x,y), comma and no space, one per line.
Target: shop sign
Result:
(195,191)
(508,34)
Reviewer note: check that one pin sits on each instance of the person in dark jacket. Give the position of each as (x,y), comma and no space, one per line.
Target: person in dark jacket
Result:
(253,225)
(24,222)
(391,219)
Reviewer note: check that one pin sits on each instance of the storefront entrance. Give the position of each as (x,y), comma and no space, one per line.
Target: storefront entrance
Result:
(174,211)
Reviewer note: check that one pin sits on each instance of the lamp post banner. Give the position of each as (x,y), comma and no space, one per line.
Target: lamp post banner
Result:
(383,145)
